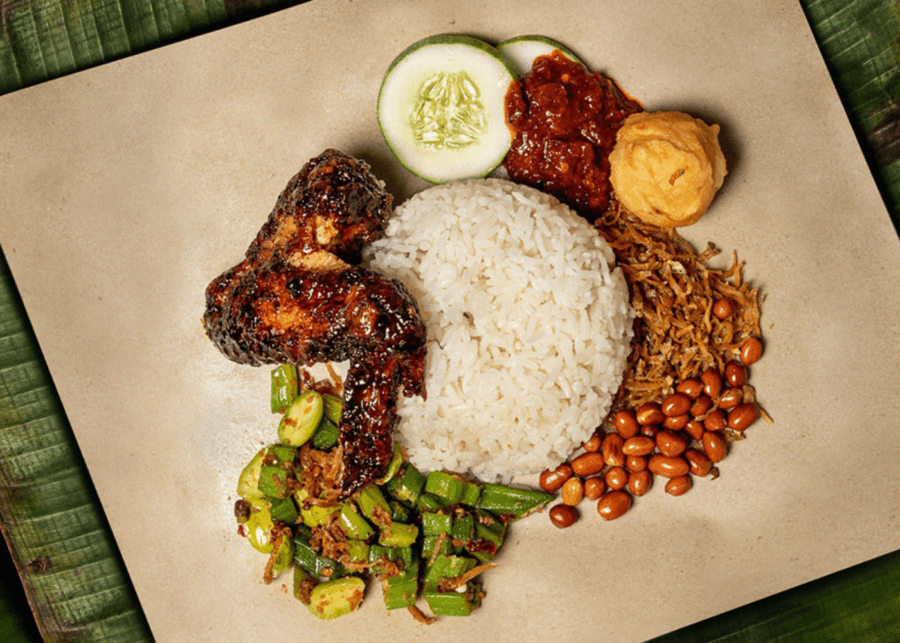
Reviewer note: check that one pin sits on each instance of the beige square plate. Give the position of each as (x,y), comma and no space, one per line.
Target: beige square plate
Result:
(125,189)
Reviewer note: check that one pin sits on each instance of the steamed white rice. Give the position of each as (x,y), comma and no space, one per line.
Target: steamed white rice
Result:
(529,325)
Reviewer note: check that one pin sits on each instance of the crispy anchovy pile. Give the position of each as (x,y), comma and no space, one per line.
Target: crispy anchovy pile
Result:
(673,290)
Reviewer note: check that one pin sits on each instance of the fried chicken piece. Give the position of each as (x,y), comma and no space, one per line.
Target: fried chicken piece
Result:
(297,298)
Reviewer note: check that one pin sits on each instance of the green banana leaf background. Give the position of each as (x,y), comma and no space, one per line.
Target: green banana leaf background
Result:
(63,577)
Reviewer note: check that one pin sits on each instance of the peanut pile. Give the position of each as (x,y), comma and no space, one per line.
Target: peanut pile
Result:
(685,396)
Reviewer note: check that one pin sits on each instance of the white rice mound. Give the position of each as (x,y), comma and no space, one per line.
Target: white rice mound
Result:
(529,326)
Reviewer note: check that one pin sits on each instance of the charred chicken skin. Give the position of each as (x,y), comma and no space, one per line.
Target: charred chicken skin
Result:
(299,297)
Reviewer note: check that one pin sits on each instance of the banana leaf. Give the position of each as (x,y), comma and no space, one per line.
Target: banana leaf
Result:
(860,42)
(52,520)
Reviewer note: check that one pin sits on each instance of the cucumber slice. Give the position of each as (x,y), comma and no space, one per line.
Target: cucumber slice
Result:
(441,108)
(521,51)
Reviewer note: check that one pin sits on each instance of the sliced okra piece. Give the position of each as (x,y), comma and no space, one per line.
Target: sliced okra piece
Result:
(401,590)
(454,603)
(273,481)
(471,494)
(399,511)
(315,515)
(272,455)
(333,407)
(447,486)
(463,527)
(305,556)
(504,500)
(407,485)
(447,566)
(406,556)
(398,534)
(430,502)
(489,534)
(435,523)
(283,455)
(285,510)
(393,466)
(316,564)
(435,545)
(285,387)
(326,436)
(358,550)
(368,500)
(353,523)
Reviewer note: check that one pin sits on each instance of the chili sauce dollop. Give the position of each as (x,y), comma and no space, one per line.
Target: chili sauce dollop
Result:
(564,121)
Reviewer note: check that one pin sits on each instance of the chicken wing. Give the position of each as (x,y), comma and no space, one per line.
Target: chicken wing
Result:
(298,297)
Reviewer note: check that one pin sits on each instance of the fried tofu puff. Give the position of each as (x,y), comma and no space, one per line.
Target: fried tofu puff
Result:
(666,167)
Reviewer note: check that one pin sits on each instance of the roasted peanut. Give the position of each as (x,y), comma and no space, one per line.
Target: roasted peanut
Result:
(701,405)
(742,416)
(714,446)
(670,443)
(593,443)
(677,422)
(616,478)
(649,413)
(639,482)
(572,492)
(730,398)
(722,308)
(735,374)
(563,516)
(635,463)
(712,383)
(649,431)
(699,462)
(626,424)
(695,429)
(613,504)
(551,480)
(587,464)
(751,351)
(690,387)
(612,450)
(594,487)
(668,466)
(639,445)
(678,486)
(675,404)
(715,421)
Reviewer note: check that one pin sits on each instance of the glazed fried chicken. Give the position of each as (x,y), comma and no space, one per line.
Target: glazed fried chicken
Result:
(298,297)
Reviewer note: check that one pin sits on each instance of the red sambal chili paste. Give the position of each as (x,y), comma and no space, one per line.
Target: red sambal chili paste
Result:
(564,120)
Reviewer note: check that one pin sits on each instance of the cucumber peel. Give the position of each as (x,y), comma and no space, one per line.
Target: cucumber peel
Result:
(441,108)
(520,52)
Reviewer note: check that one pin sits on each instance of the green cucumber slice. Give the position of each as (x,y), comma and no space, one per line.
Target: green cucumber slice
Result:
(521,51)
(441,108)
